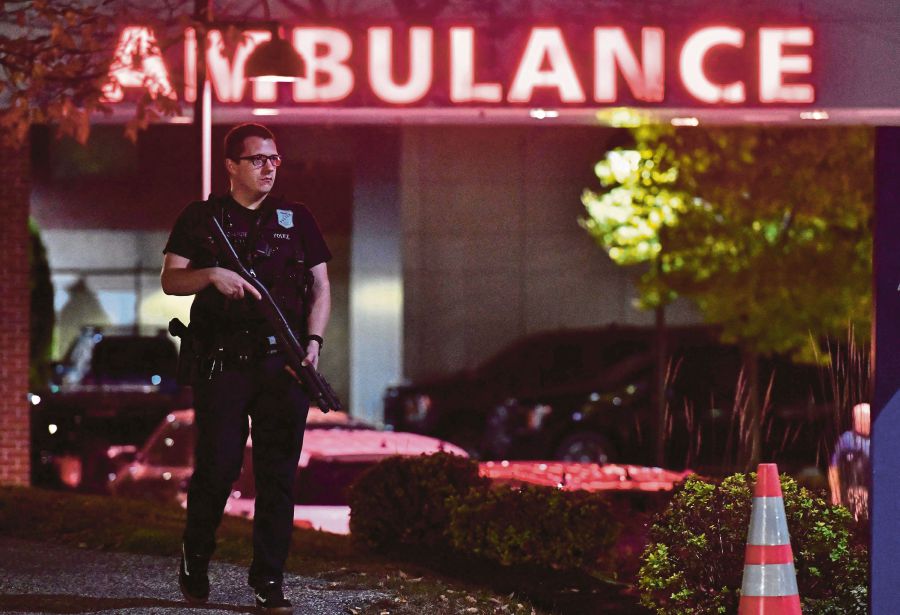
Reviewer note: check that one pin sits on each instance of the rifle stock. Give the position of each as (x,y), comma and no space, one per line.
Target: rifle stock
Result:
(320,392)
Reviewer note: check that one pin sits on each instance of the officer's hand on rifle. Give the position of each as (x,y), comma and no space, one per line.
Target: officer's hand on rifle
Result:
(231,284)
(312,357)
(312,354)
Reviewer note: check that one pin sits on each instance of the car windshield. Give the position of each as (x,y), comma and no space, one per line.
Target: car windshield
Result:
(563,359)
(133,358)
(576,363)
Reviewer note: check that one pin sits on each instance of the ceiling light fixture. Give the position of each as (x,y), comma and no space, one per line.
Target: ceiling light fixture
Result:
(813,115)
(685,121)
(275,60)
(542,114)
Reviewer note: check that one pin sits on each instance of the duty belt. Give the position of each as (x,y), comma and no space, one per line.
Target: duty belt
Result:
(270,345)
(240,349)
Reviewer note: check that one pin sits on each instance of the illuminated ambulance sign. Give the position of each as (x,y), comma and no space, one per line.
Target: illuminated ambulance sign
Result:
(385,66)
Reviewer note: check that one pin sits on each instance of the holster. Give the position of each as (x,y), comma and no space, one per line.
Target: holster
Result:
(190,354)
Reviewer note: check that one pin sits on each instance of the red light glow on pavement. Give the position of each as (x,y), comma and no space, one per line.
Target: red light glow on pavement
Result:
(572,476)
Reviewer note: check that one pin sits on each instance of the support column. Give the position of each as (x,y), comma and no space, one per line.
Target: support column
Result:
(885,539)
(15,190)
(376,272)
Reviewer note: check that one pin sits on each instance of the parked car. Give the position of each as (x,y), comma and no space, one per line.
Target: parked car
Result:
(117,359)
(457,406)
(619,424)
(112,387)
(586,395)
(336,450)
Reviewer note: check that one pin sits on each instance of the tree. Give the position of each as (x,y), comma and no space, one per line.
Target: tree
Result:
(627,221)
(55,58)
(42,316)
(765,230)
(779,245)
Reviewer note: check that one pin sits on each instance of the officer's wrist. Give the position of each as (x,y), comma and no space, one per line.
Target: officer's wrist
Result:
(317,339)
(211,274)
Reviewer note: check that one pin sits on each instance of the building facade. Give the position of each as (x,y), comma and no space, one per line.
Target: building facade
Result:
(456,138)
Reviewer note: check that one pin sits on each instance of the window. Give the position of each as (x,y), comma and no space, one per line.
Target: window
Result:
(119,359)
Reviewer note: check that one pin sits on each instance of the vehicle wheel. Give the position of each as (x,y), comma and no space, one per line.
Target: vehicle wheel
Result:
(586,447)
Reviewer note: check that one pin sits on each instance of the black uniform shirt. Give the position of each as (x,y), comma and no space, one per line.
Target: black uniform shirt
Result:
(287,242)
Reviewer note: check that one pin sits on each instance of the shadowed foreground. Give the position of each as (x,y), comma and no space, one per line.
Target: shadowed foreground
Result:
(42,578)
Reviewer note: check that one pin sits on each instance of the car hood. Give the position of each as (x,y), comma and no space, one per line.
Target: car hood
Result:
(364,444)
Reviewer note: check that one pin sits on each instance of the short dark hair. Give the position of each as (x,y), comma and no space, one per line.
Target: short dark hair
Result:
(234,140)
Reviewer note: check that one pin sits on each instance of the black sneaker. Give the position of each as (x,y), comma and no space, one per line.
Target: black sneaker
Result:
(193,577)
(270,598)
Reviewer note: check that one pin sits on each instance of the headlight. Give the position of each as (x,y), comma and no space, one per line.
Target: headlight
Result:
(535,415)
(416,409)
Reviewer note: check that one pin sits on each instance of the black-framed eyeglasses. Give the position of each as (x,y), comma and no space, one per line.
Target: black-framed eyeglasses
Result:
(259,160)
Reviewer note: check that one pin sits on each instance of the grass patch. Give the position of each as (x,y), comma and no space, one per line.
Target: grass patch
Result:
(150,528)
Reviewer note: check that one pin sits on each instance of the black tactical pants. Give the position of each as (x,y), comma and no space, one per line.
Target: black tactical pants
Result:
(277,407)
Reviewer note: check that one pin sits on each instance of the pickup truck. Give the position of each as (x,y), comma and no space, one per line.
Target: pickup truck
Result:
(585,395)
(109,392)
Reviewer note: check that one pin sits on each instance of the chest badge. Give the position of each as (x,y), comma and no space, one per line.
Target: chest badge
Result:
(285,218)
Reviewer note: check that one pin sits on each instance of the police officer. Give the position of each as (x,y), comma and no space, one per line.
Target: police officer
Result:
(241,373)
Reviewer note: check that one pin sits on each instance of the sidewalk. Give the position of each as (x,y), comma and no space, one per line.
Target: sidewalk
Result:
(45,578)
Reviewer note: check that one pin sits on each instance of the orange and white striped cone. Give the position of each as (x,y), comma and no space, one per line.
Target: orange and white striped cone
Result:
(770,581)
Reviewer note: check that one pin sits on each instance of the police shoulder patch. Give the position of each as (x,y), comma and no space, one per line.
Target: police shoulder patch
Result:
(285,218)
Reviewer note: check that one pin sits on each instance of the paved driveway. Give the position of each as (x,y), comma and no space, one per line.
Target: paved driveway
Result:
(42,578)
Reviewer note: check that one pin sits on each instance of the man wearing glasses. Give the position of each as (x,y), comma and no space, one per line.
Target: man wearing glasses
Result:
(241,372)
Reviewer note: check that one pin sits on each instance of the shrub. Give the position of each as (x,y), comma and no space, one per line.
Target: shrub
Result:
(402,500)
(694,562)
(542,526)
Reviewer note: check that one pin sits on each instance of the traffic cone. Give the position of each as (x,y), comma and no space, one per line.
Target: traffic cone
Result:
(770,581)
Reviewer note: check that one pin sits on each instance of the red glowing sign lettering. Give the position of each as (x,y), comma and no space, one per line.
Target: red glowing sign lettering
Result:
(381,67)
(773,64)
(332,63)
(694,76)
(611,50)
(463,88)
(545,67)
(546,44)
(226,77)
(137,44)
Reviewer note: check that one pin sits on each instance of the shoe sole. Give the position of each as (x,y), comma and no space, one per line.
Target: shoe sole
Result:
(187,596)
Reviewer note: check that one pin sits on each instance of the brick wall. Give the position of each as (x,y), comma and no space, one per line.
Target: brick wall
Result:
(14,303)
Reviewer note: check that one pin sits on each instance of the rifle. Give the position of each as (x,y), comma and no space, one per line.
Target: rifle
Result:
(320,392)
